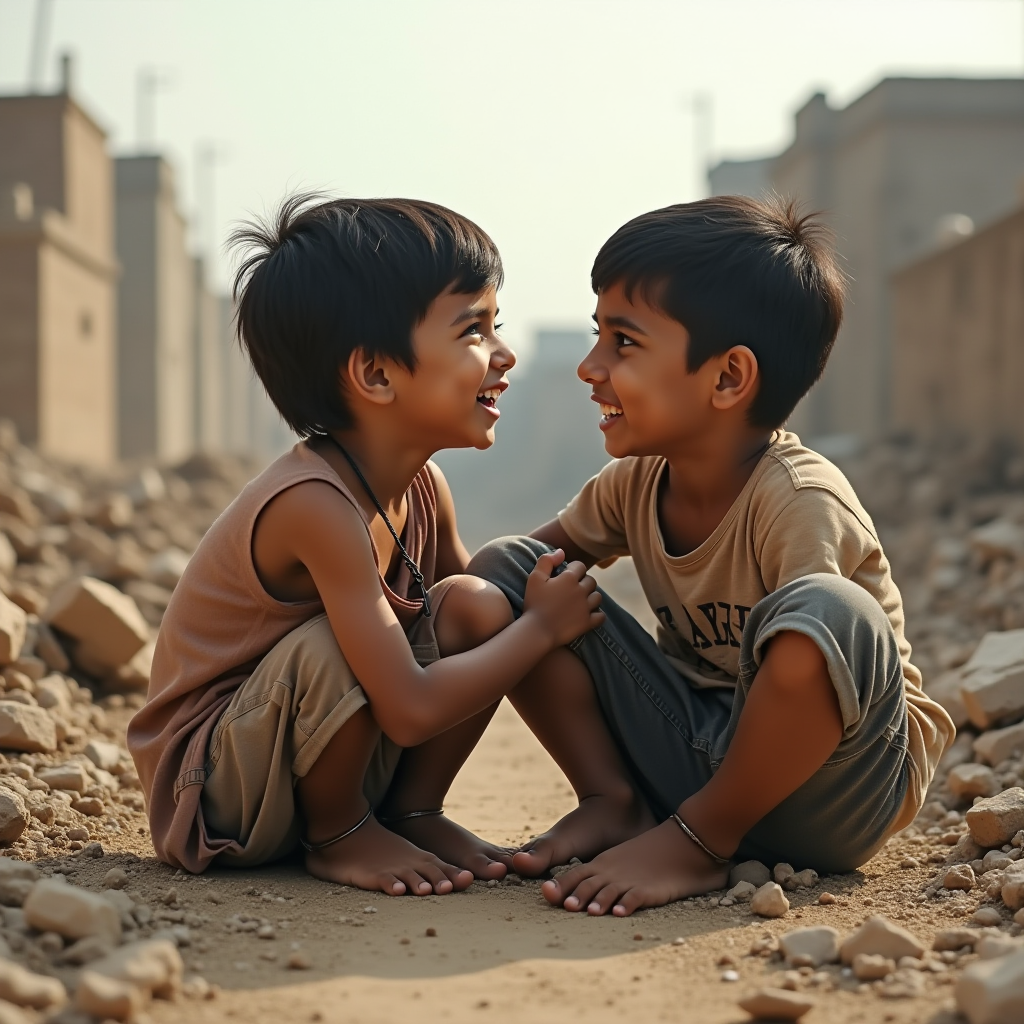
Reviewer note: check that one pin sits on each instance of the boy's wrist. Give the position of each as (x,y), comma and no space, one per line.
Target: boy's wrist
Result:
(538,624)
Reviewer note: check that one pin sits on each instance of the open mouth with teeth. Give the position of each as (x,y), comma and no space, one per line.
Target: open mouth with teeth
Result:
(609,414)
(489,398)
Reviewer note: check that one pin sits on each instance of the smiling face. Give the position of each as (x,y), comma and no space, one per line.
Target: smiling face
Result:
(449,399)
(650,403)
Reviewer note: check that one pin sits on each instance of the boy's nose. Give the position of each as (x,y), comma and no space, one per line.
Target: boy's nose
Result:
(503,358)
(590,371)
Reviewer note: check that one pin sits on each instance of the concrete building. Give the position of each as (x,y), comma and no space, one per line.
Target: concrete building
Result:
(889,170)
(958,327)
(58,276)
(156,305)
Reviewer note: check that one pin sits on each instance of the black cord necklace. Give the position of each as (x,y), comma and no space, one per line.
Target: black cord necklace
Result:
(413,568)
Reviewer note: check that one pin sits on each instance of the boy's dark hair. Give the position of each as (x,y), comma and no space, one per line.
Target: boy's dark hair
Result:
(737,271)
(325,277)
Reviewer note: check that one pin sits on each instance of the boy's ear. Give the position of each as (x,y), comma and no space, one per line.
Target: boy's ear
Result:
(737,378)
(367,377)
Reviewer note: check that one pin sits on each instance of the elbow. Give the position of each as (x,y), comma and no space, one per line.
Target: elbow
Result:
(409,728)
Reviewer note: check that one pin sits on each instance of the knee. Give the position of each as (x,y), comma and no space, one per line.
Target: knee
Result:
(472,611)
(833,600)
(506,560)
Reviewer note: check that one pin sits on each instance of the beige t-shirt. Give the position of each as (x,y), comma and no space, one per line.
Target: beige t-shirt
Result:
(796,515)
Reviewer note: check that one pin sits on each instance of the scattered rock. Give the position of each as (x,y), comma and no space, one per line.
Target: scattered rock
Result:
(115,878)
(70,776)
(769,901)
(299,961)
(959,876)
(154,966)
(752,871)
(107,624)
(12,630)
(987,917)
(811,946)
(871,966)
(992,991)
(742,891)
(998,744)
(26,728)
(14,816)
(92,806)
(108,998)
(993,821)
(24,988)
(777,1004)
(106,756)
(991,946)
(879,936)
(806,879)
(782,871)
(85,951)
(71,912)
(992,683)
(967,781)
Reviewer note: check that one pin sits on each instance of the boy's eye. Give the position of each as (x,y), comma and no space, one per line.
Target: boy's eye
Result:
(623,341)
(472,329)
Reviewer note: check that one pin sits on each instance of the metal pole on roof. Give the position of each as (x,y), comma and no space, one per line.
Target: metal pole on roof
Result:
(40,39)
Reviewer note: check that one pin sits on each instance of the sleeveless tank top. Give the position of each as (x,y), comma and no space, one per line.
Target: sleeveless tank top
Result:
(219,624)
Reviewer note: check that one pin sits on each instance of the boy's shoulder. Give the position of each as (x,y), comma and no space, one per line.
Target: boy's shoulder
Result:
(796,474)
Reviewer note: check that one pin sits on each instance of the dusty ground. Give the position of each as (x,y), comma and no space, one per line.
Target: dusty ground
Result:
(501,953)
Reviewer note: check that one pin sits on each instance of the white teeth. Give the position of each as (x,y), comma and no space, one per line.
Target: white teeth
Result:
(610,410)
(493,394)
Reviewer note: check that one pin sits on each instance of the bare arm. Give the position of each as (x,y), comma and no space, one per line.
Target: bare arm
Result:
(452,556)
(553,533)
(313,525)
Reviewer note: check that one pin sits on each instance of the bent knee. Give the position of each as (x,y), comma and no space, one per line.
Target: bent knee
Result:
(472,611)
(507,559)
(833,598)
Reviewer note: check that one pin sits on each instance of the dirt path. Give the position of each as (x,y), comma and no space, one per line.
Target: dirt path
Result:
(501,953)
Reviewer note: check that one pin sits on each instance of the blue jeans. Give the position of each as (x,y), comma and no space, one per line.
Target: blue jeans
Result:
(673,736)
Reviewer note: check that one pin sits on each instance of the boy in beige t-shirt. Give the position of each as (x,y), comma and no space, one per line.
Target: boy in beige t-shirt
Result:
(778,715)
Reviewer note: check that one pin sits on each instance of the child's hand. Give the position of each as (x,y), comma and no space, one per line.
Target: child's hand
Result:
(566,604)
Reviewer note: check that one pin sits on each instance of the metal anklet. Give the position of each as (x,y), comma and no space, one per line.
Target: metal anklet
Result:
(344,835)
(692,836)
(411,814)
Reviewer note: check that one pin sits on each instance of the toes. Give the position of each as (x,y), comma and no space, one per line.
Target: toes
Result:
(633,900)
(552,892)
(487,869)
(530,863)
(415,883)
(603,900)
(392,885)
(582,892)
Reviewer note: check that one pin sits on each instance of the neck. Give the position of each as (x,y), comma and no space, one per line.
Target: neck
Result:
(389,465)
(713,471)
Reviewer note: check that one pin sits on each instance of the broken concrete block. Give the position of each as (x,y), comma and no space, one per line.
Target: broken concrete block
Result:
(106,756)
(958,876)
(992,991)
(811,946)
(992,681)
(70,776)
(154,965)
(871,966)
(967,781)
(741,892)
(769,901)
(13,623)
(107,998)
(995,820)
(26,728)
(72,912)
(107,624)
(880,937)
(777,1004)
(53,693)
(955,938)
(14,816)
(23,988)
(999,744)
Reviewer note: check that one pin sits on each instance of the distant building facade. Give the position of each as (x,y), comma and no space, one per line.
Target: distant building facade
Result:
(156,305)
(58,277)
(958,339)
(888,171)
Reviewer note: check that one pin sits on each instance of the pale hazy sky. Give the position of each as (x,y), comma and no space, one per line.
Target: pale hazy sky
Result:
(550,123)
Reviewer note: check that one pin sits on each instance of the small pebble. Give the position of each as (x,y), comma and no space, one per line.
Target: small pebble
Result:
(369,910)
(431,933)
(115,878)
(299,961)
(826,899)
(679,941)
(638,937)
(730,976)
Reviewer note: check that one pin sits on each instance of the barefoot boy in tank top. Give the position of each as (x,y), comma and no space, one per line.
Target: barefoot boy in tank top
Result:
(324,667)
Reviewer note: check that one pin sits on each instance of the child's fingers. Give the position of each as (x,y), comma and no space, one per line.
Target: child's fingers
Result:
(594,600)
(546,563)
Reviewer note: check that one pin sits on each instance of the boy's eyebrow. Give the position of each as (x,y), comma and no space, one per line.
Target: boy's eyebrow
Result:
(621,321)
(471,314)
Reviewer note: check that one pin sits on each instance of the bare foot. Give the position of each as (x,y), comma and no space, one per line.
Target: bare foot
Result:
(651,870)
(598,823)
(377,859)
(455,844)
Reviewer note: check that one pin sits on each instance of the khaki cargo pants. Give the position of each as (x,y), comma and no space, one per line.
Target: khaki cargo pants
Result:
(277,725)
